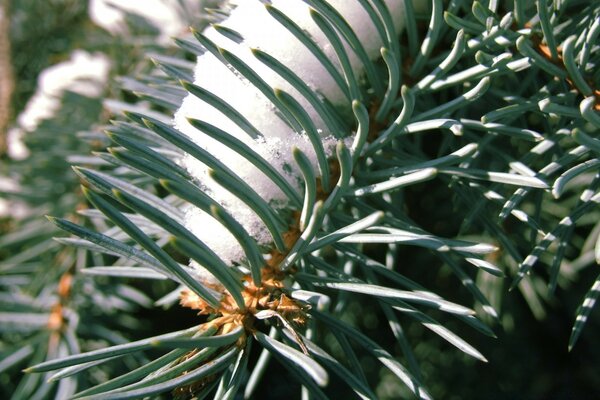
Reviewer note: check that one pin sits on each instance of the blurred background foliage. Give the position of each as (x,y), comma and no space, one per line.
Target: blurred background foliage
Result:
(528,360)
(38,276)
(43,34)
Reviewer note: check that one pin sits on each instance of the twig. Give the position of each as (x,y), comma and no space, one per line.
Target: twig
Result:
(6,75)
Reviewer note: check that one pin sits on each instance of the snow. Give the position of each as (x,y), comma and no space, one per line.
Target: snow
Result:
(168,16)
(262,31)
(83,73)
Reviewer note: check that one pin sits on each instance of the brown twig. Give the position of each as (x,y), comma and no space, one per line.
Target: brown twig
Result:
(544,50)
(6,75)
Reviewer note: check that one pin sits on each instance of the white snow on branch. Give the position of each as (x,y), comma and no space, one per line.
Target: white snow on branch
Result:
(84,73)
(260,30)
(169,17)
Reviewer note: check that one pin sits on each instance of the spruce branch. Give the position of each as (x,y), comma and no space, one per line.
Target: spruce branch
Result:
(276,183)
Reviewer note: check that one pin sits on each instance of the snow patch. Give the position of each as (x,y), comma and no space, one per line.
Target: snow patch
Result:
(168,16)
(251,19)
(83,73)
